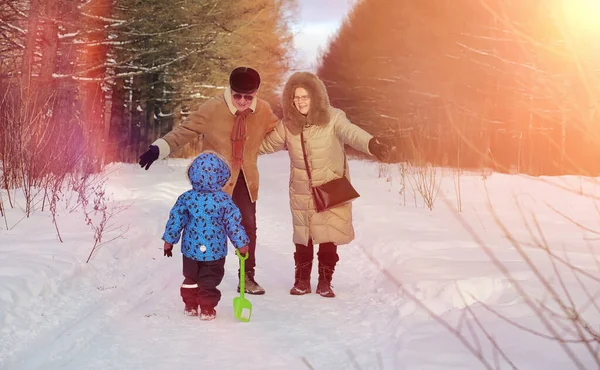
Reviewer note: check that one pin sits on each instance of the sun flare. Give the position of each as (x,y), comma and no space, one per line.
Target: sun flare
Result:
(582,16)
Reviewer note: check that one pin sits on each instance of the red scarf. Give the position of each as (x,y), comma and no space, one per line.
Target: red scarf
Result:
(238,136)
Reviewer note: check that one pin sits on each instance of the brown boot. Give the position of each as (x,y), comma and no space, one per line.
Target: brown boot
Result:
(250,285)
(302,274)
(328,258)
(324,285)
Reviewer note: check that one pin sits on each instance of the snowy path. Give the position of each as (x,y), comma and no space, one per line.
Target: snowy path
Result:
(140,323)
(135,316)
(123,310)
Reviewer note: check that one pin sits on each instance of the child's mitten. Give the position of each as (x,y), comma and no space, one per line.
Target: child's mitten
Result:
(168,249)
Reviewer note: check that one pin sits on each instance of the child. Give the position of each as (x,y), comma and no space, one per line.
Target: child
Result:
(207,216)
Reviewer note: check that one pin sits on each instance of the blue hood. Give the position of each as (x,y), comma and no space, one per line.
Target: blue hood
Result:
(208,172)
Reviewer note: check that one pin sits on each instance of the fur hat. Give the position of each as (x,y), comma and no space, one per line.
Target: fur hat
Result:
(244,80)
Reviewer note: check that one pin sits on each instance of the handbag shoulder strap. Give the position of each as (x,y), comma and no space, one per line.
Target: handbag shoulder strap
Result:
(302,143)
(305,157)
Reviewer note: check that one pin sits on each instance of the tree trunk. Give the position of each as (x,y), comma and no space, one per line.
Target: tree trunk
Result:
(31,41)
(94,55)
(49,42)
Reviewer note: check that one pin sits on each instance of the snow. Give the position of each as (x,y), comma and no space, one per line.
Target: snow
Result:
(16,28)
(68,35)
(199,96)
(205,86)
(161,114)
(123,311)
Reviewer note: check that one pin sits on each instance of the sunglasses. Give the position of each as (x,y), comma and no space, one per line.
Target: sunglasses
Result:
(238,96)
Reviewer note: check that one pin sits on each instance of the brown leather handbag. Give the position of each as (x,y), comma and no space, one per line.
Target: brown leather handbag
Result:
(333,193)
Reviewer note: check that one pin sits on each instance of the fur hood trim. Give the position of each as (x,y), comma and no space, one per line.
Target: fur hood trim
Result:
(318,114)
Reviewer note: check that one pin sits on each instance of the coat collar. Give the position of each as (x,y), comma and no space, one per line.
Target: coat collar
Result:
(229,101)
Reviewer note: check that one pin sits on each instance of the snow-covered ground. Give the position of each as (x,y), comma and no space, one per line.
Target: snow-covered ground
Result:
(123,311)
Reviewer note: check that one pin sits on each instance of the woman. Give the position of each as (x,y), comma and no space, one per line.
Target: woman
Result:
(325,130)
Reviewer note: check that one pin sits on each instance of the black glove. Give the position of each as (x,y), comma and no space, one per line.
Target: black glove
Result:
(378,149)
(169,252)
(149,156)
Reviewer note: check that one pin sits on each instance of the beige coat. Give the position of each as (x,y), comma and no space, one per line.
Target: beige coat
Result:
(214,121)
(326,130)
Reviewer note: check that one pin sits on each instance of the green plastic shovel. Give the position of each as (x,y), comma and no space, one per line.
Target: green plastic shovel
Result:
(242,308)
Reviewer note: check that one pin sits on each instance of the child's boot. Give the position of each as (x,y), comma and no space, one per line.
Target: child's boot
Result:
(189,295)
(190,310)
(207,314)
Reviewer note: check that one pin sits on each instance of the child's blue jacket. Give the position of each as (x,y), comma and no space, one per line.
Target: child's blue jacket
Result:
(206,214)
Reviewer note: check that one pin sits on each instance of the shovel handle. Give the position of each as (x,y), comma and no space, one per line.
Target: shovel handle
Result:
(242,257)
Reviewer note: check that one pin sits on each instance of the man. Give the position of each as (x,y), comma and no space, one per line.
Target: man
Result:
(233,125)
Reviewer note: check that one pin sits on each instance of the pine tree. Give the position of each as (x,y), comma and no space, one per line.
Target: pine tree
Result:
(117,74)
